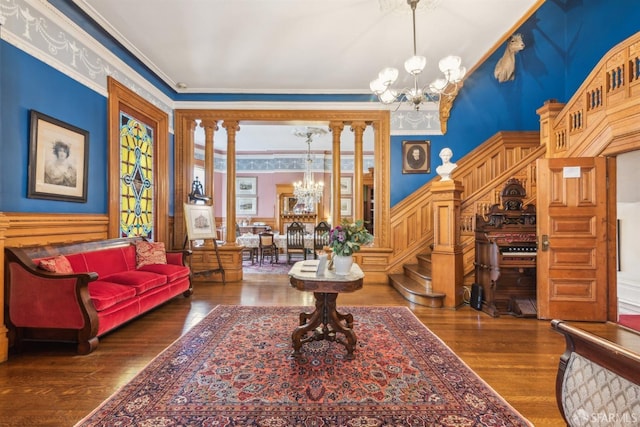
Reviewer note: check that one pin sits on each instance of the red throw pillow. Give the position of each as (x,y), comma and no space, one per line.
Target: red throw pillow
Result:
(150,253)
(56,264)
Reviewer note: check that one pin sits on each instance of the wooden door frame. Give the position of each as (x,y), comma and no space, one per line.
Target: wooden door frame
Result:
(123,99)
(379,120)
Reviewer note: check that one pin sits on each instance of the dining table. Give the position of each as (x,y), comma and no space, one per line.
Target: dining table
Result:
(250,240)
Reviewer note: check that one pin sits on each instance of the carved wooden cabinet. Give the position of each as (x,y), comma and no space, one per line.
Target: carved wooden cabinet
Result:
(505,264)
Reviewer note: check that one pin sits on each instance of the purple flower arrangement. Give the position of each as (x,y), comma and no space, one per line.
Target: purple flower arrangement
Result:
(347,238)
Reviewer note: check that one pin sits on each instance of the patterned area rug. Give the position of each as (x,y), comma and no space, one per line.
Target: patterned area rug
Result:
(235,368)
(280,267)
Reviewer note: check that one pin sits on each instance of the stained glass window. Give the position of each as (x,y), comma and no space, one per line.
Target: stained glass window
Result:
(136,178)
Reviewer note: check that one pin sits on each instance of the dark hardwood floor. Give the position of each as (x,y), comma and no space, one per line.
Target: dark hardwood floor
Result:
(49,385)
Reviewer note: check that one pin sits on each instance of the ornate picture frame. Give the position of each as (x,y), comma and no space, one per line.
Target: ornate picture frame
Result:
(200,222)
(246,205)
(346,206)
(58,160)
(346,185)
(246,185)
(416,156)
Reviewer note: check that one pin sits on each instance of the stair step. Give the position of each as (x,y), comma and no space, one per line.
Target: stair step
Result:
(415,291)
(424,259)
(418,273)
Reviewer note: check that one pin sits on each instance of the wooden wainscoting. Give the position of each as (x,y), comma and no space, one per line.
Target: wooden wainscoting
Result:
(31,229)
(482,173)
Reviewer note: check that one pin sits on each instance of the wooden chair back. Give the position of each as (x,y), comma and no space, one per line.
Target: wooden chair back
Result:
(320,236)
(295,240)
(267,246)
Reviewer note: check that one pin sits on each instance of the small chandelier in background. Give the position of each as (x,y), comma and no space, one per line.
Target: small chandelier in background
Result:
(441,91)
(307,192)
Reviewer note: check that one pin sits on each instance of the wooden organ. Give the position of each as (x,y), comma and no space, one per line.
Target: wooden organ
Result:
(505,264)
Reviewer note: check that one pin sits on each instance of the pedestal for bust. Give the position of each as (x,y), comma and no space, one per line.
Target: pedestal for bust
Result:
(447,268)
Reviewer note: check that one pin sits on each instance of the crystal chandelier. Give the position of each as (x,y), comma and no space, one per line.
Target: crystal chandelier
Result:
(446,86)
(307,192)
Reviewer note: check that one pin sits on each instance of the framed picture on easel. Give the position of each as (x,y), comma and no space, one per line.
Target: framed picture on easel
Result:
(200,222)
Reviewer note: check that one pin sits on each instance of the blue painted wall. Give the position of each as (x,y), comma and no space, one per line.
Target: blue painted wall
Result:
(564,41)
(27,84)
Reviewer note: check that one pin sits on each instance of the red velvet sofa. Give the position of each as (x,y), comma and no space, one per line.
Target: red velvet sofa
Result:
(90,288)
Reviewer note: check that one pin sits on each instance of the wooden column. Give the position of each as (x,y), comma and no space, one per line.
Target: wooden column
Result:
(336,128)
(446,259)
(232,127)
(358,162)
(210,126)
(183,175)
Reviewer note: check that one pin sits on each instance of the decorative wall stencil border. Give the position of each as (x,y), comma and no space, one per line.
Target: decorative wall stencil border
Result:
(426,121)
(40,30)
(278,163)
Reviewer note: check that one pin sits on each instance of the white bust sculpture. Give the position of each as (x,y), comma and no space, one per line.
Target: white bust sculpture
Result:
(445,169)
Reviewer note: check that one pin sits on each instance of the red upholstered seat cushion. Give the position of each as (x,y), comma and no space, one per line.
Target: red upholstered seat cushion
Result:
(105,261)
(56,264)
(150,253)
(171,271)
(141,281)
(106,294)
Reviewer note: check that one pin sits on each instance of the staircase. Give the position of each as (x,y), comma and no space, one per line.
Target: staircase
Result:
(414,283)
(482,173)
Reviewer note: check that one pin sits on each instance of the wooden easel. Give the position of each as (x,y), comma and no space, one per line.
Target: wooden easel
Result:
(189,237)
(219,269)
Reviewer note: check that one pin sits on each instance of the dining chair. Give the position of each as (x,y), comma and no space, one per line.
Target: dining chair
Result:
(267,246)
(295,241)
(250,252)
(320,237)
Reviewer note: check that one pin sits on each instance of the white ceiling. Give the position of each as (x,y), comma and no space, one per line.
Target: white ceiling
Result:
(300,46)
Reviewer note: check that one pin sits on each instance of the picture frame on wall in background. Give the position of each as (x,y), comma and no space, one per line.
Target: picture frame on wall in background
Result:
(416,156)
(246,185)
(246,205)
(345,206)
(346,185)
(58,159)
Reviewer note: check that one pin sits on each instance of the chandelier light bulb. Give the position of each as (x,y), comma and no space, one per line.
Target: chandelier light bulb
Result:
(377,86)
(388,76)
(388,96)
(456,76)
(438,85)
(415,64)
(449,63)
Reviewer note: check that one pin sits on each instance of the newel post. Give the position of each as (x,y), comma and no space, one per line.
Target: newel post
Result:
(447,272)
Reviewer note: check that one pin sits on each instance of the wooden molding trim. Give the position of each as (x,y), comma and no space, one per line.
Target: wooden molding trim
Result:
(123,99)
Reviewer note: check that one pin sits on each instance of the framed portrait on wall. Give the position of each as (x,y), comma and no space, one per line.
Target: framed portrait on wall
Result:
(246,205)
(58,159)
(200,221)
(246,185)
(416,156)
